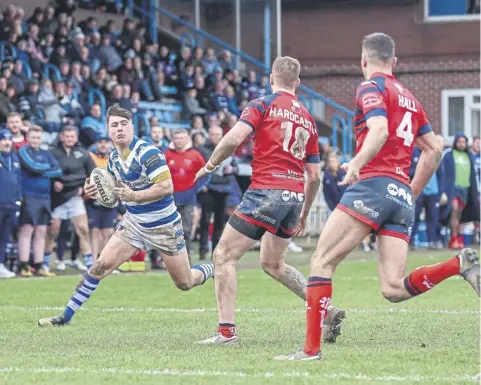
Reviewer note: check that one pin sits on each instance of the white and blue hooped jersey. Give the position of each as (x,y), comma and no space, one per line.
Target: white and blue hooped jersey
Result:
(144,166)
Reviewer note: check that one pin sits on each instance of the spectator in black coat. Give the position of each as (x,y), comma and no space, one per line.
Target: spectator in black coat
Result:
(202,94)
(332,176)
(29,102)
(126,74)
(59,55)
(49,23)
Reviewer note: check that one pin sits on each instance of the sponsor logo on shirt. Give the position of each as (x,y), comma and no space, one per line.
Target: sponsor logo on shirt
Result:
(371,99)
(289,175)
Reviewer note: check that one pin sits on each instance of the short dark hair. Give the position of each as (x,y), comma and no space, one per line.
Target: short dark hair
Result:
(116,110)
(476,138)
(380,46)
(69,128)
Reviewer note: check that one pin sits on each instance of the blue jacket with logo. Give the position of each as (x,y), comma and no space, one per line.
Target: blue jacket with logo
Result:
(10,180)
(471,211)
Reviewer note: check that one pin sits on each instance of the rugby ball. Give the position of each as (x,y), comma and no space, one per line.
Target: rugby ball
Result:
(105,184)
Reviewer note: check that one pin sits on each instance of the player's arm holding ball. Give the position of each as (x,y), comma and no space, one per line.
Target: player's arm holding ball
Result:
(156,169)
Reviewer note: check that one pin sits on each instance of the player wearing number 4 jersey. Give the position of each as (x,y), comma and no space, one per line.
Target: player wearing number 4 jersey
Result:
(276,205)
(389,122)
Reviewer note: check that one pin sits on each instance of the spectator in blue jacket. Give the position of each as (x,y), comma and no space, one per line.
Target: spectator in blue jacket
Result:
(92,126)
(332,176)
(38,167)
(219,100)
(463,196)
(431,199)
(10,198)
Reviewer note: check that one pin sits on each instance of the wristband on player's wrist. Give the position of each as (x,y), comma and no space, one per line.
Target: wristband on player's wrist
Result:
(210,168)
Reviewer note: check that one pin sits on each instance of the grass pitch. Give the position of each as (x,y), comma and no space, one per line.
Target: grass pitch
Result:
(139,329)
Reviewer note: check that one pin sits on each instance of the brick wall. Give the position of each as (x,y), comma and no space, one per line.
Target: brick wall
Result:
(327,40)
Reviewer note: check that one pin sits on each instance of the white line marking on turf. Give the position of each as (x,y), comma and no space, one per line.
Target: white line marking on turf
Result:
(246,310)
(209,373)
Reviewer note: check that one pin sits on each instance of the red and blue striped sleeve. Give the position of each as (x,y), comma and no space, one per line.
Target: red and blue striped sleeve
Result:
(424,125)
(371,100)
(253,114)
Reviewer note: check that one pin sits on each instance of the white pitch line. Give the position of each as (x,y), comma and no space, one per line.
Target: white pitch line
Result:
(209,373)
(241,310)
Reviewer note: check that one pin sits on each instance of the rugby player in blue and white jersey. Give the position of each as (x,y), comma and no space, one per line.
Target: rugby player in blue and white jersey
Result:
(150,223)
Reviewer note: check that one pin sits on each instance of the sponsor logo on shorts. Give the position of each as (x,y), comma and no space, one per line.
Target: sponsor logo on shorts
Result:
(410,230)
(363,209)
(291,197)
(257,215)
(399,195)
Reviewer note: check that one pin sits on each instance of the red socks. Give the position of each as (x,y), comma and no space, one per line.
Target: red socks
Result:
(319,292)
(227,330)
(425,278)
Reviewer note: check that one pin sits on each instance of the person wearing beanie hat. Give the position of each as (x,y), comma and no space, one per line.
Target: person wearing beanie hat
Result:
(10,198)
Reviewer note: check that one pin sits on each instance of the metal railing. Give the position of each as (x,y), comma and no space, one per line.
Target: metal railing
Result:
(341,118)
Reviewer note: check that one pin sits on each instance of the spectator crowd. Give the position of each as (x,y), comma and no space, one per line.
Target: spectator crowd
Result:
(52,135)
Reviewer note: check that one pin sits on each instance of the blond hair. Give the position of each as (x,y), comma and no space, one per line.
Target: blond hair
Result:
(286,71)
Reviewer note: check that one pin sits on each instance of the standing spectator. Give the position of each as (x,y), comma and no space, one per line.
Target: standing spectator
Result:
(38,168)
(330,182)
(184,60)
(19,78)
(30,100)
(251,86)
(49,23)
(462,188)
(232,101)
(157,138)
(432,197)
(67,202)
(191,105)
(5,102)
(92,126)
(475,155)
(108,55)
(184,162)
(10,198)
(54,113)
(65,71)
(226,60)
(218,99)
(33,48)
(126,74)
(101,219)
(197,59)
(15,125)
(202,93)
(210,61)
(213,197)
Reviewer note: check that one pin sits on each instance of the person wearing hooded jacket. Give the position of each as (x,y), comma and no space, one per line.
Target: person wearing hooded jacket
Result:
(462,191)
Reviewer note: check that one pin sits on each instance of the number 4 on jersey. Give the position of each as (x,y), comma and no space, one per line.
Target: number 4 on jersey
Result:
(405,129)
